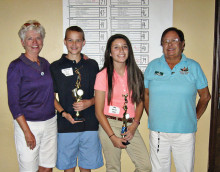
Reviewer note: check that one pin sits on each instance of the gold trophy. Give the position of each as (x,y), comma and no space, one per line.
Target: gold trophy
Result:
(77,93)
(125,118)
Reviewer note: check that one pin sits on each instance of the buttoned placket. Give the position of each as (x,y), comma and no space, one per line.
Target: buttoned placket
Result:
(173,71)
(123,84)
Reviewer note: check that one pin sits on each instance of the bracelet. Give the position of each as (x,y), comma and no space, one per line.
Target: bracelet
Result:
(138,122)
(111,135)
(61,113)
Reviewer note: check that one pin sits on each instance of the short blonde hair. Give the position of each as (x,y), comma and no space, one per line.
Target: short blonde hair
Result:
(31,25)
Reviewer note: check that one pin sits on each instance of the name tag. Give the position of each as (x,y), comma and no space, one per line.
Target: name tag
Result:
(67,71)
(114,110)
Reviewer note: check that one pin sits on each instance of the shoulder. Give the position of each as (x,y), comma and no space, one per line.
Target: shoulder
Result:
(101,80)
(56,63)
(42,59)
(155,61)
(15,67)
(53,64)
(91,62)
(91,65)
(192,63)
(15,63)
(102,74)
(88,60)
(152,65)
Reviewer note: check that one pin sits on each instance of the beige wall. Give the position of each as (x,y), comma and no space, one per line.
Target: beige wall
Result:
(194,17)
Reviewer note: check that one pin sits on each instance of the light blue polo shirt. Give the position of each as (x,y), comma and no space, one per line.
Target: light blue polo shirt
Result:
(172,95)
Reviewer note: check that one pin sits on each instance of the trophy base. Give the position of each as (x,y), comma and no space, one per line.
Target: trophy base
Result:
(79,119)
(126,143)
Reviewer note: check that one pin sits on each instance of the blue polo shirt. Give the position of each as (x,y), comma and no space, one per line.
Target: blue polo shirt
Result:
(172,95)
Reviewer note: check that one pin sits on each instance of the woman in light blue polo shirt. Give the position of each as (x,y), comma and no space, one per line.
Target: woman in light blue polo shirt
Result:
(171,85)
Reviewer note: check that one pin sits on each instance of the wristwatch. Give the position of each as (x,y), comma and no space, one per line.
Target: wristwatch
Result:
(61,113)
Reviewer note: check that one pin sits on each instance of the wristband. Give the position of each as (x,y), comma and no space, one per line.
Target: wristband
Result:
(138,122)
(111,135)
(61,113)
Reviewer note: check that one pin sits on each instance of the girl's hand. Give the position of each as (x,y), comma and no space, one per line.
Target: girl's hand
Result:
(117,142)
(130,132)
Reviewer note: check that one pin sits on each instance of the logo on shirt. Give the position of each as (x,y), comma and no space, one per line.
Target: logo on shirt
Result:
(158,73)
(184,71)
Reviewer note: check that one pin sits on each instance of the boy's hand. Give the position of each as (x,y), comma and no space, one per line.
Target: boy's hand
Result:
(81,105)
(69,118)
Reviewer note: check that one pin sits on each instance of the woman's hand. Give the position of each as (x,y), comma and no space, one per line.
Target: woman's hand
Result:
(117,142)
(70,118)
(30,139)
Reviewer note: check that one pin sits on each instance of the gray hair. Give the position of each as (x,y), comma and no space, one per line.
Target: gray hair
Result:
(31,25)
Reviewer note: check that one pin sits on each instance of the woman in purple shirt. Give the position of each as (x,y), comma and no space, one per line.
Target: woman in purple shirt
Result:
(31,101)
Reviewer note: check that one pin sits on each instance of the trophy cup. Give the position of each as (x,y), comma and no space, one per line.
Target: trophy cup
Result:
(125,118)
(77,93)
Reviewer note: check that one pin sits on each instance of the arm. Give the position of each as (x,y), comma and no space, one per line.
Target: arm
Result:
(29,137)
(99,109)
(204,97)
(146,100)
(66,115)
(13,85)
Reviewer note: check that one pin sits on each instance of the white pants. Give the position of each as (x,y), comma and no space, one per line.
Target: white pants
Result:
(45,152)
(180,144)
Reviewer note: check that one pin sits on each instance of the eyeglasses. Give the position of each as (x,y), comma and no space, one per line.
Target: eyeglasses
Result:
(173,41)
(35,24)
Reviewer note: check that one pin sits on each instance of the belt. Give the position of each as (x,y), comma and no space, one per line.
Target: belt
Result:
(129,120)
